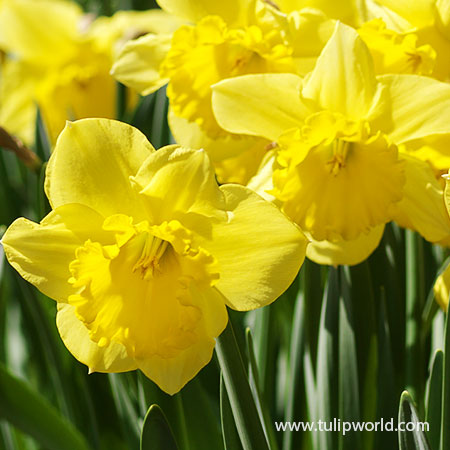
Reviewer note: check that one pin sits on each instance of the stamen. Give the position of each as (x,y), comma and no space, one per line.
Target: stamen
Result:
(152,252)
(340,151)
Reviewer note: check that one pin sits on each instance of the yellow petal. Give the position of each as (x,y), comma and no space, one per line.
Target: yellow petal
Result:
(176,182)
(112,358)
(203,55)
(234,12)
(259,105)
(345,252)
(139,61)
(344,11)
(309,31)
(396,52)
(435,150)
(172,373)
(422,207)
(18,108)
(41,253)
(419,13)
(191,135)
(414,117)
(92,163)
(39,30)
(441,289)
(343,80)
(258,259)
(123,25)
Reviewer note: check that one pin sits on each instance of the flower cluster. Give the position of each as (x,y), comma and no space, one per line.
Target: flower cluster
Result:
(331,119)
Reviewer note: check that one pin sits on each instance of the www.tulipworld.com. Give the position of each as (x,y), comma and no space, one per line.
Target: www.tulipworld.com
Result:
(346,427)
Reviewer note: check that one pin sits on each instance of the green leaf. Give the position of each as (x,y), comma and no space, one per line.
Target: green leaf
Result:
(256,387)
(410,440)
(434,399)
(126,411)
(41,139)
(326,385)
(445,423)
(415,299)
(242,404)
(156,433)
(230,434)
(348,366)
(201,421)
(121,100)
(27,410)
(386,377)
(296,354)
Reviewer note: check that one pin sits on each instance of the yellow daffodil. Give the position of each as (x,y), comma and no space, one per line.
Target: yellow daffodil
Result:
(224,40)
(428,20)
(441,287)
(143,251)
(58,59)
(336,168)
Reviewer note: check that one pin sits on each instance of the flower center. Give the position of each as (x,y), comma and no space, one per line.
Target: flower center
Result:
(340,151)
(152,252)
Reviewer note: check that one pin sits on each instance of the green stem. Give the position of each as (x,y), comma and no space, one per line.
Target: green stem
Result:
(235,376)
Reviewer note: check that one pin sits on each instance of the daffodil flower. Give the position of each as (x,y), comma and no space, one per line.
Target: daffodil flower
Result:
(143,252)
(221,40)
(336,169)
(59,59)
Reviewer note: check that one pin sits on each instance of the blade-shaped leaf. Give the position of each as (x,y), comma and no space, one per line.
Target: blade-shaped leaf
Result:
(410,440)
(327,388)
(230,434)
(434,399)
(445,421)
(27,410)
(256,388)
(239,392)
(349,409)
(156,433)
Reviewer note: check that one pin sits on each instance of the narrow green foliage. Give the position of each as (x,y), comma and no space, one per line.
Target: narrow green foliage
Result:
(256,388)
(349,409)
(294,386)
(30,412)
(327,386)
(239,392)
(414,304)
(127,413)
(156,433)
(434,400)
(410,440)
(41,140)
(230,434)
(445,420)
(386,377)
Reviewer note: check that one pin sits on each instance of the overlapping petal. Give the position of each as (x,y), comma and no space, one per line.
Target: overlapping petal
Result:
(272,247)
(409,118)
(343,79)
(345,252)
(158,182)
(112,358)
(422,207)
(92,163)
(259,105)
(41,253)
(235,12)
(138,64)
